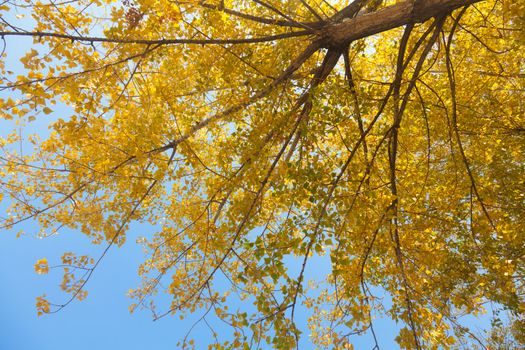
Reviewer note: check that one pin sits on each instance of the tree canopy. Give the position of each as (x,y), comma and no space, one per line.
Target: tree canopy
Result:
(256,137)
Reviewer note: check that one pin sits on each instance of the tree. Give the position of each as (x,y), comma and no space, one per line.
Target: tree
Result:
(257,135)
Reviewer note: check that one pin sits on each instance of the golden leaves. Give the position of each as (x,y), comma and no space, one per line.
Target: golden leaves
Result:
(236,169)
(41,266)
(42,305)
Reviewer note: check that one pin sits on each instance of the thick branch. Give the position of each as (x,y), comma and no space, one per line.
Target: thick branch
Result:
(410,11)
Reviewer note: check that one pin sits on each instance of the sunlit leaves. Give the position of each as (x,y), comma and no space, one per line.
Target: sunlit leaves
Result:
(265,181)
(41,266)
(42,305)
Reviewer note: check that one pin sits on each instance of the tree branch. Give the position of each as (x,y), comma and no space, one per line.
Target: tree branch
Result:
(92,39)
(388,18)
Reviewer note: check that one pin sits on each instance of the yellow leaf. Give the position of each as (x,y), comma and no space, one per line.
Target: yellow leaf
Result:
(42,305)
(41,266)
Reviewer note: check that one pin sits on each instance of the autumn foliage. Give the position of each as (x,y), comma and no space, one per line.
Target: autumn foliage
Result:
(259,137)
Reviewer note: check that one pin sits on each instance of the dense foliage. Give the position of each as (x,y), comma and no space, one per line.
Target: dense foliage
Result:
(256,136)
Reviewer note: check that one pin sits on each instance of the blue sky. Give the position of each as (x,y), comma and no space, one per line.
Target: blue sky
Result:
(102,320)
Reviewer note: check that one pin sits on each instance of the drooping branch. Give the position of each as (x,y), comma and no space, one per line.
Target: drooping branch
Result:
(400,107)
(452,84)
